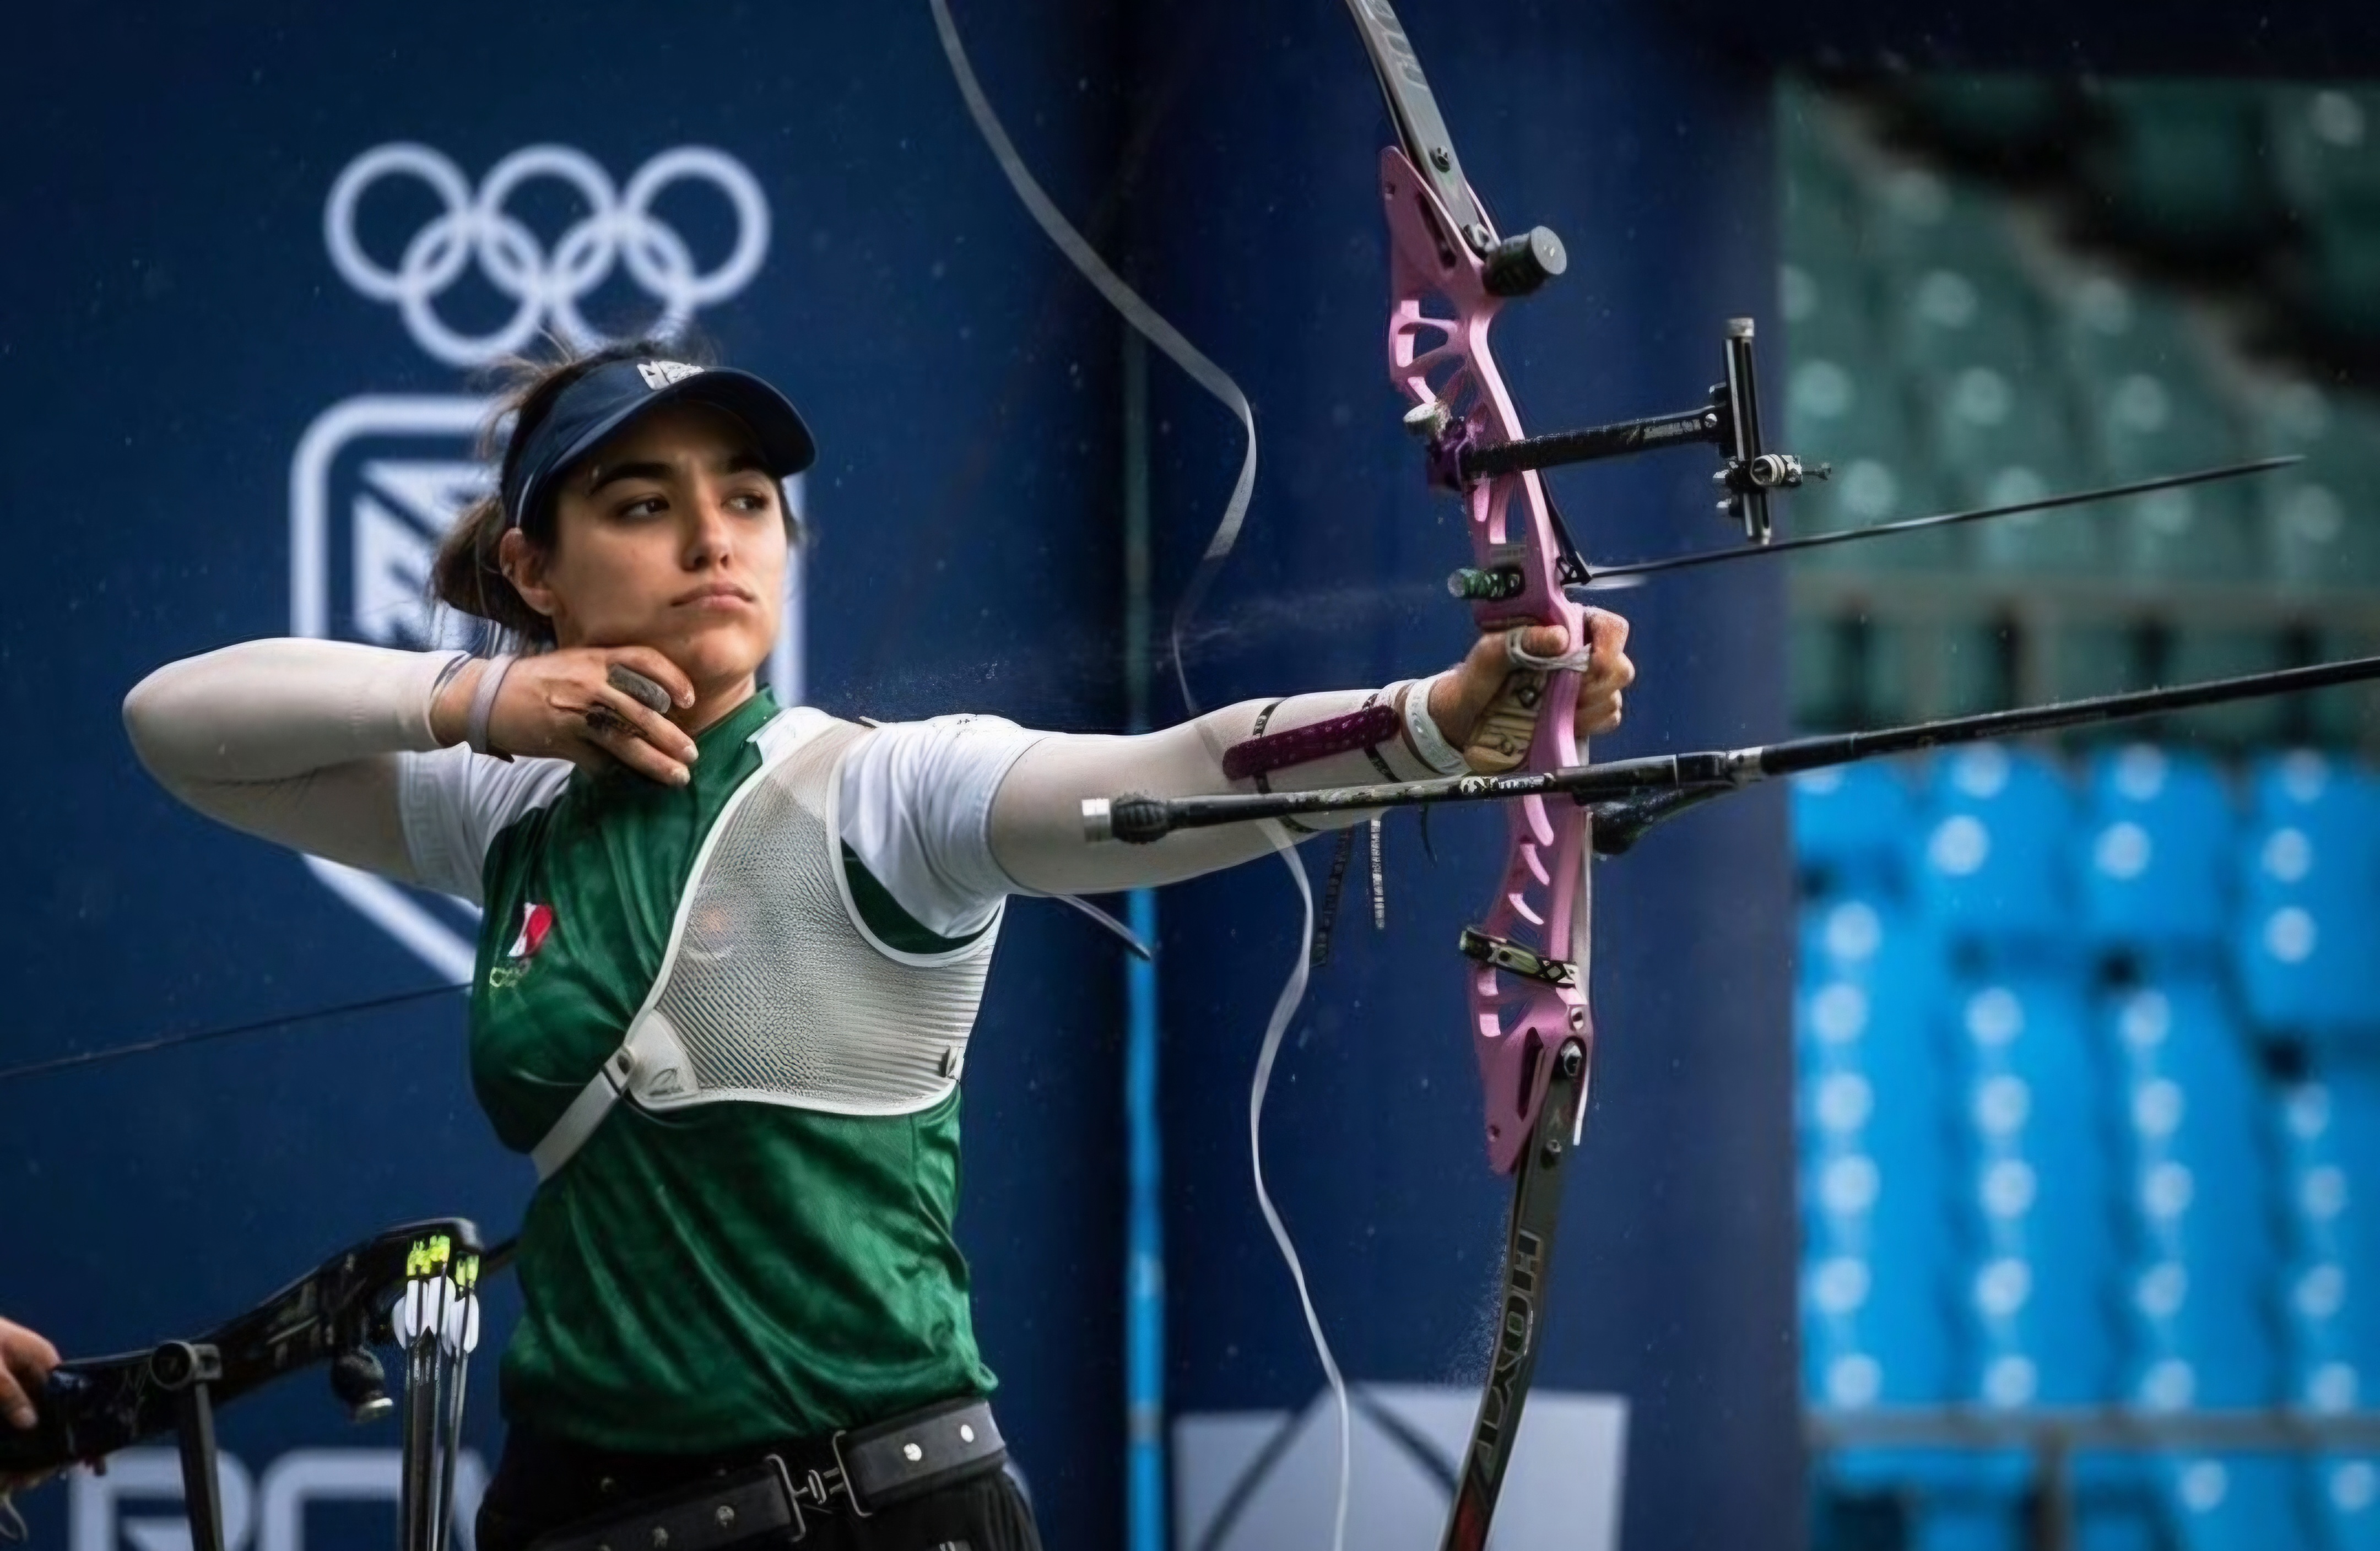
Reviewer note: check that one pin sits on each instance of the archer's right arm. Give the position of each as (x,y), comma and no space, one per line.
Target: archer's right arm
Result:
(357,753)
(299,742)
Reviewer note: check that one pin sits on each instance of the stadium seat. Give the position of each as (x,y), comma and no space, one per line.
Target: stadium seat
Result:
(1917,219)
(2181,167)
(2336,801)
(2037,1279)
(1853,415)
(2330,1287)
(1992,854)
(1873,1331)
(2303,946)
(2111,324)
(2318,529)
(2201,1251)
(2346,1502)
(2235,1503)
(1848,824)
(2336,272)
(2306,969)
(2148,423)
(2157,831)
(1963,312)
(2326,148)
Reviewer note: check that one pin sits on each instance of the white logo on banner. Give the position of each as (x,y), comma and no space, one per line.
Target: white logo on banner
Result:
(477,231)
(1258,1481)
(378,479)
(139,1501)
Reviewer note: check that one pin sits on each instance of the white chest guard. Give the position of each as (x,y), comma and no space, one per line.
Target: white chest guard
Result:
(773,990)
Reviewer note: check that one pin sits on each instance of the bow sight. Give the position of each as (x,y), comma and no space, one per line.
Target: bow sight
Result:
(1748,472)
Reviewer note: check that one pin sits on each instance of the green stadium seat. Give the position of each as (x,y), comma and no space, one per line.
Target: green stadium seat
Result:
(2201,533)
(2149,424)
(1827,315)
(2338,274)
(1852,416)
(2321,528)
(2109,326)
(2181,166)
(2321,518)
(1914,220)
(2293,418)
(2326,149)
(1998,442)
(1957,315)
(2001,115)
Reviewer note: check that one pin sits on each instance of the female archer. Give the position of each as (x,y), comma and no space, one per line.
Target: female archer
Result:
(759,933)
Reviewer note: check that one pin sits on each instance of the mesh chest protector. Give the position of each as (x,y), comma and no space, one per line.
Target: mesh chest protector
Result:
(772,989)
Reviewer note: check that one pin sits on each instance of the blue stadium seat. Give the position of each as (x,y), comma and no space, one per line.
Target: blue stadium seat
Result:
(2335,802)
(2306,969)
(2346,1493)
(2158,831)
(2309,867)
(1993,855)
(2202,1249)
(2239,1502)
(1873,1331)
(2040,1260)
(2323,859)
(1850,826)
(2331,1285)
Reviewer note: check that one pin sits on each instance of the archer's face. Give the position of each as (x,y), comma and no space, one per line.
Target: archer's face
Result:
(670,535)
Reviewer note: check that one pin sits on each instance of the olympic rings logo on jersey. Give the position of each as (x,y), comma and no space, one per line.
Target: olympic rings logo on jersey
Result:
(546,286)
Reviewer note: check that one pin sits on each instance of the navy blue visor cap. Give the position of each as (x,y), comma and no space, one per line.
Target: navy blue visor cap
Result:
(617,391)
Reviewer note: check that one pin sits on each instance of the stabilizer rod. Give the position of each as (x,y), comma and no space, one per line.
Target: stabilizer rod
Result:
(1139,820)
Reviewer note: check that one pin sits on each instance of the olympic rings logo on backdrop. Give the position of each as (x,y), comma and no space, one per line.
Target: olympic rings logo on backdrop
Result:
(545,285)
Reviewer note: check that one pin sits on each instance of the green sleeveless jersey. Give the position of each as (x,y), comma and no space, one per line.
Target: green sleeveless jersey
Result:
(726,1274)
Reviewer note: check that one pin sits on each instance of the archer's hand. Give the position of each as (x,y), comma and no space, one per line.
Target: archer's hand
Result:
(25,1363)
(1458,700)
(560,705)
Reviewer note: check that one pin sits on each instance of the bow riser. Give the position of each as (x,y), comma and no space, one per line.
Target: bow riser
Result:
(1439,353)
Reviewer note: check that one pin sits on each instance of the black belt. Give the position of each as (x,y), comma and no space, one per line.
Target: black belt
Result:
(873,1467)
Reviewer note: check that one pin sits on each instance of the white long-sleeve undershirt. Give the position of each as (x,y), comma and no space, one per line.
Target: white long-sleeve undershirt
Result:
(326,746)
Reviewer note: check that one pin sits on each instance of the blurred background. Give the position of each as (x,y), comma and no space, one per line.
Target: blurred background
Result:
(2089,1030)
(1979,1146)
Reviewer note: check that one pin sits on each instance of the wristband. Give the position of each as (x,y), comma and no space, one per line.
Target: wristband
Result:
(483,702)
(453,665)
(1427,741)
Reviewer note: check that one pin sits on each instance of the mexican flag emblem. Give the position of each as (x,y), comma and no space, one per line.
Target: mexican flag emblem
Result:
(536,921)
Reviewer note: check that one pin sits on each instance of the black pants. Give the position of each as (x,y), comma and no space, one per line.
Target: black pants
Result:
(543,1483)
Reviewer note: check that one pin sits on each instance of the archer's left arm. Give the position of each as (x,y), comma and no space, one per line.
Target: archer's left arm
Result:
(1035,827)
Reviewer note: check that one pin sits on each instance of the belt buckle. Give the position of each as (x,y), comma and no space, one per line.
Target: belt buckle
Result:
(843,1478)
(801,1524)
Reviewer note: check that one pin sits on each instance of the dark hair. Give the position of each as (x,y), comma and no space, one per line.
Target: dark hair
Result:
(466,576)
